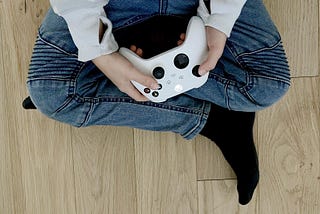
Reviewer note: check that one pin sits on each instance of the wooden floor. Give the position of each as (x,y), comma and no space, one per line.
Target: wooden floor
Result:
(47,167)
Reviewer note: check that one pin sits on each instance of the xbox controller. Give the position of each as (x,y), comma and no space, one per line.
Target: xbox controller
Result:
(175,70)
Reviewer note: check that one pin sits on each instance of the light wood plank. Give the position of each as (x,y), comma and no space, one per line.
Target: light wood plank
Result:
(36,10)
(21,20)
(289,149)
(221,197)
(210,161)
(166,173)
(47,165)
(6,170)
(36,174)
(104,168)
(298,24)
(41,175)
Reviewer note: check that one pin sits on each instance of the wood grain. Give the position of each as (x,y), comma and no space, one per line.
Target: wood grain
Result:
(166,173)
(289,149)
(210,161)
(220,197)
(298,24)
(39,177)
(49,167)
(104,170)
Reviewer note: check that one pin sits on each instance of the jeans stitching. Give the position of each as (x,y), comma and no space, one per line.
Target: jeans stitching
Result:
(88,115)
(280,77)
(98,100)
(230,48)
(202,117)
(284,78)
(34,67)
(134,21)
(227,96)
(70,79)
(64,105)
(287,82)
(55,47)
(260,50)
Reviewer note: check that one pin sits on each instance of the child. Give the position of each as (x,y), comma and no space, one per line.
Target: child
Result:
(77,76)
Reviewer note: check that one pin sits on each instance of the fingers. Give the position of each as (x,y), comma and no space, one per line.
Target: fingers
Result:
(216,42)
(135,94)
(128,88)
(181,39)
(137,50)
(144,80)
(211,62)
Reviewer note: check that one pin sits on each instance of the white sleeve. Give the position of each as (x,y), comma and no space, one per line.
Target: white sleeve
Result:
(83,18)
(224,14)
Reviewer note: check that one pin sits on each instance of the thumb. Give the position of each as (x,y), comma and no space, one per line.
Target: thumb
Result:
(210,63)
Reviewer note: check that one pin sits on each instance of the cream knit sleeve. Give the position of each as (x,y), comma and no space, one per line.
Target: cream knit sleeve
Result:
(223,15)
(84,19)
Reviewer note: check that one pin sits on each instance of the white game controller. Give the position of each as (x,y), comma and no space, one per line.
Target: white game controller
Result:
(175,70)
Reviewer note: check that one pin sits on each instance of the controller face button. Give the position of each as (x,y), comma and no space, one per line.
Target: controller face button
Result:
(178,88)
(181,61)
(158,72)
(195,71)
(147,90)
(160,87)
(155,94)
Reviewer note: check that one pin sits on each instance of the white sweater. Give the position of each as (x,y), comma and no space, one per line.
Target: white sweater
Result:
(84,17)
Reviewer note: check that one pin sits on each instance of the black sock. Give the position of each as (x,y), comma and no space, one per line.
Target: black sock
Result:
(232,131)
(28,104)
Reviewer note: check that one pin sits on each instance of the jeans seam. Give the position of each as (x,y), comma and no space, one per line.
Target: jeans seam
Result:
(65,104)
(241,62)
(88,115)
(55,47)
(227,96)
(235,56)
(250,97)
(71,92)
(202,117)
(134,21)
(287,82)
(73,81)
(251,73)
(139,19)
(260,50)
(97,100)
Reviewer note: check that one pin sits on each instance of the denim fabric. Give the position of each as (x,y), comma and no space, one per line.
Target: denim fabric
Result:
(252,74)
(140,10)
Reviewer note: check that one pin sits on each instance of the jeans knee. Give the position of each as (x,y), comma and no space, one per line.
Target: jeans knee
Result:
(48,97)
(51,73)
(267,92)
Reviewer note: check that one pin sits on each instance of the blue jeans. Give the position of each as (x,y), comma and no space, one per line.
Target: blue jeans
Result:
(251,75)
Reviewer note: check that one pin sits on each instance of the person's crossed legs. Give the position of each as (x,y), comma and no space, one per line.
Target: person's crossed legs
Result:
(232,131)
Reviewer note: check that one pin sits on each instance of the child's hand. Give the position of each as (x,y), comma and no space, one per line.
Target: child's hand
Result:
(120,71)
(216,42)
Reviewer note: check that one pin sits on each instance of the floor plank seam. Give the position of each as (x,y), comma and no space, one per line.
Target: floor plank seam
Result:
(216,179)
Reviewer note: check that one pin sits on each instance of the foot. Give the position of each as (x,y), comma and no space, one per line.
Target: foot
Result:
(247,183)
(232,133)
(139,51)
